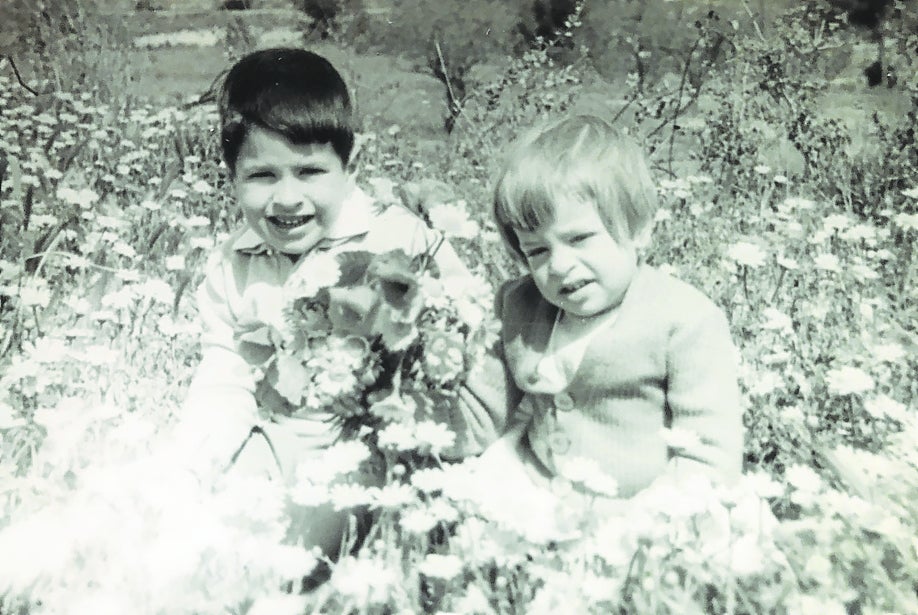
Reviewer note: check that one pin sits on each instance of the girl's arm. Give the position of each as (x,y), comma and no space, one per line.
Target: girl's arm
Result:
(479,414)
(703,397)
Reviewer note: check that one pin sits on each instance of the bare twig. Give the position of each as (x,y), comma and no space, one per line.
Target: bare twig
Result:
(621,111)
(453,103)
(209,95)
(679,108)
(16,72)
(755,22)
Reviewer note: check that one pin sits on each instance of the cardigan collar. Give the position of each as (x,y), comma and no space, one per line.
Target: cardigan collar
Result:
(528,325)
(353,220)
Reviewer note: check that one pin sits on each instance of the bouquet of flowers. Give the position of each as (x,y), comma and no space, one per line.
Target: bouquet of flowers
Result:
(372,340)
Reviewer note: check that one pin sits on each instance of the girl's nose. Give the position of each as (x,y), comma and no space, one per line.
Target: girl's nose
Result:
(560,262)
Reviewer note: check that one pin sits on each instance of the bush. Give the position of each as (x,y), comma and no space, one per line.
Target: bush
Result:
(69,46)
(783,117)
(545,19)
(331,17)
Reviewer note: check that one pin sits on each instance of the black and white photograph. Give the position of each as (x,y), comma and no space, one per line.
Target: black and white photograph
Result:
(458,307)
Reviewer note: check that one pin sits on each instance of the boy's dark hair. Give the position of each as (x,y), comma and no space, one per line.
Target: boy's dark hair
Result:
(293,92)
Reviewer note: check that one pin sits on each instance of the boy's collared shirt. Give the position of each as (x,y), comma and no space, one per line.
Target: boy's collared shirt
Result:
(243,288)
(243,291)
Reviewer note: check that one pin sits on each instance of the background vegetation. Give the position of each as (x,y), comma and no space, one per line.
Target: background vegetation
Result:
(790,188)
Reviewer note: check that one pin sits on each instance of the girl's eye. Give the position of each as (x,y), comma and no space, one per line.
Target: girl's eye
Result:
(533,252)
(309,171)
(581,237)
(260,175)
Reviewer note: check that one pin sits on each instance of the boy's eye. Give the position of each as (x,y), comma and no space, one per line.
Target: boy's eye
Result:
(259,175)
(309,171)
(533,252)
(581,237)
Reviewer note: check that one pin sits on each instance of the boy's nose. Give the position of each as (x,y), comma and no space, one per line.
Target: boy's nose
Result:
(287,193)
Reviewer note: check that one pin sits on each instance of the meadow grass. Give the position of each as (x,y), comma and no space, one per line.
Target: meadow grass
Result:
(799,221)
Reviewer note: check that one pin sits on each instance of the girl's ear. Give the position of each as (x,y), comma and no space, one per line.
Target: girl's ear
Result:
(642,239)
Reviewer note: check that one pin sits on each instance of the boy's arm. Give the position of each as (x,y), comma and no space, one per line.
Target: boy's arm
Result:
(219,409)
(703,397)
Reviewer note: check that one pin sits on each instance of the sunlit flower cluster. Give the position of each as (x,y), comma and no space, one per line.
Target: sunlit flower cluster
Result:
(190,38)
(390,320)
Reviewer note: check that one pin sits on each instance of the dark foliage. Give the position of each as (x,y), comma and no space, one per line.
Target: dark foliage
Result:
(864,13)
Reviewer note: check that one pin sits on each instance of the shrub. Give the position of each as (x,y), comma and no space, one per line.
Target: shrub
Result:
(333,17)
(782,116)
(542,19)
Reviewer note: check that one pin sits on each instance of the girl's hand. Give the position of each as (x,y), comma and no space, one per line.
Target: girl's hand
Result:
(503,450)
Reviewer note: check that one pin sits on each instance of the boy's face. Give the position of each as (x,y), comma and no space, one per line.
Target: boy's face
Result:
(290,194)
(576,263)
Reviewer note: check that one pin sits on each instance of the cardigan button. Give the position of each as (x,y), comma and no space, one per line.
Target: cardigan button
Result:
(564,402)
(559,442)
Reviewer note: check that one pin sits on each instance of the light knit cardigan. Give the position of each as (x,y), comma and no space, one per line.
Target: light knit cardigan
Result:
(666,360)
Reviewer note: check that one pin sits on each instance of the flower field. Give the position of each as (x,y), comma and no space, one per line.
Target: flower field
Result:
(799,221)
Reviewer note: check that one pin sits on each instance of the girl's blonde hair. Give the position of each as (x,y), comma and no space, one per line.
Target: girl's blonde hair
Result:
(578,158)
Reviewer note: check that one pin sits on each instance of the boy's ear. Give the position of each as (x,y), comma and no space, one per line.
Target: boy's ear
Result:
(356,151)
(351,171)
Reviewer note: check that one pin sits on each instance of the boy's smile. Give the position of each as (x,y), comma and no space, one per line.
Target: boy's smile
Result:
(576,263)
(290,194)
(288,223)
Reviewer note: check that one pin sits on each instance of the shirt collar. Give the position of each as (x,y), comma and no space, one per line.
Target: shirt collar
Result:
(353,220)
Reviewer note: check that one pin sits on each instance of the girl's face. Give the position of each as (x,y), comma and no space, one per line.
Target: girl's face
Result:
(576,263)
(290,194)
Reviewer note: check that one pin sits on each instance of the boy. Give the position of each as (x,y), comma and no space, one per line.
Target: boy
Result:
(287,135)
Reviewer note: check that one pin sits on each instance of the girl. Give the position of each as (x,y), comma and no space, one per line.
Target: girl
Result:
(622,370)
